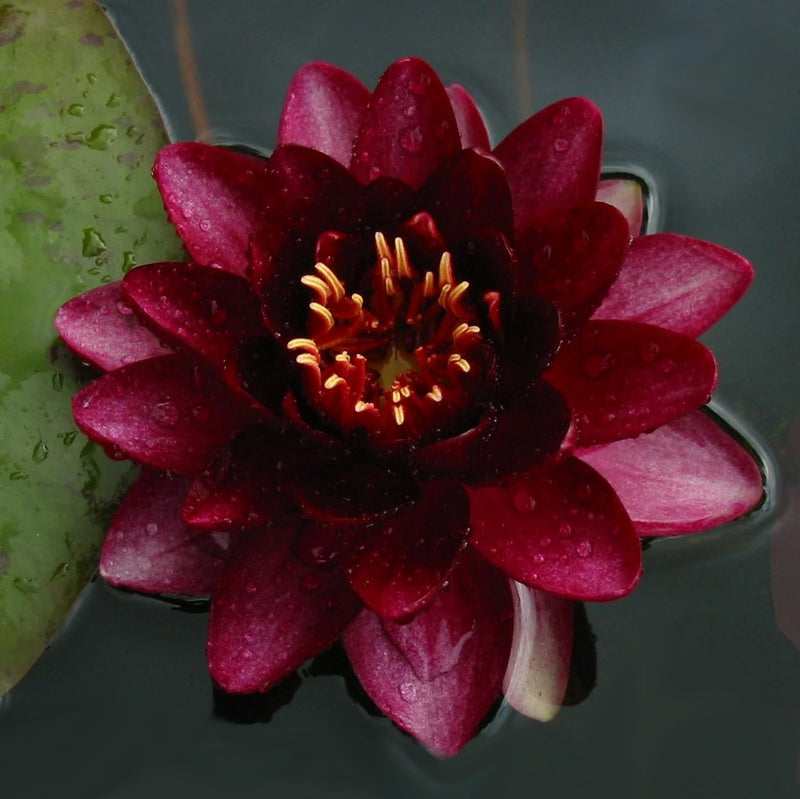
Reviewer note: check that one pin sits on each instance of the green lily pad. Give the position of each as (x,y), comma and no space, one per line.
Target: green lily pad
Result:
(78,206)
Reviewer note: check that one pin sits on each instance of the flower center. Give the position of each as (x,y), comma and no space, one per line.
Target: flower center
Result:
(401,358)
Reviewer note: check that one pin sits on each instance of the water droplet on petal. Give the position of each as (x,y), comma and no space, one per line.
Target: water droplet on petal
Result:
(411,140)
(419,84)
(597,364)
(310,583)
(538,558)
(205,225)
(584,549)
(151,528)
(561,145)
(165,414)
(408,691)
(123,308)
(564,530)
(523,501)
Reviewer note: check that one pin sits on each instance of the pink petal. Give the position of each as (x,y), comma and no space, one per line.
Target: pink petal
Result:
(163,412)
(572,259)
(409,127)
(323,109)
(196,307)
(438,675)
(271,612)
(626,378)
(687,476)
(552,160)
(469,119)
(406,558)
(102,329)
(562,530)
(149,548)
(678,283)
(539,667)
(215,199)
(626,196)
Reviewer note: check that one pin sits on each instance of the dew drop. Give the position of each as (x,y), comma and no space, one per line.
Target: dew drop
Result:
(546,542)
(101,137)
(597,364)
(419,83)
(584,549)
(58,381)
(165,414)
(374,172)
(70,437)
(202,413)
(648,351)
(408,691)
(310,583)
(251,588)
(561,145)
(564,530)
(40,452)
(76,109)
(123,308)
(523,502)
(247,654)
(93,243)
(205,225)
(412,140)
(151,528)
(538,558)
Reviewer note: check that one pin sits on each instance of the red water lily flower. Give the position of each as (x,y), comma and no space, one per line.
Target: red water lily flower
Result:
(408,391)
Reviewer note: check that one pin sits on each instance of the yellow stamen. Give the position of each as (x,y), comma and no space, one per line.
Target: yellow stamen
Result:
(445,269)
(306,344)
(396,396)
(455,295)
(460,362)
(429,285)
(324,313)
(317,285)
(307,359)
(405,391)
(401,258)
(333,381)
(332,280)
(382,246)
(389,287)
(435,394)
(399,414)
(360,406)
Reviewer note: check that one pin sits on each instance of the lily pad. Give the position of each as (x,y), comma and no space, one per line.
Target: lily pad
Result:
(78,207)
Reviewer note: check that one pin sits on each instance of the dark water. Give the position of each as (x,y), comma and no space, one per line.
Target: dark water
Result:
(699,686)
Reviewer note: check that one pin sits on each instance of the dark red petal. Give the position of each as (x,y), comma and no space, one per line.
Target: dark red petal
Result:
(409,126)
(271,612)
(468,194)
(149,548)
(469,119)
(315,193)
(404,560)
(196,307)
(102,329)
(678,283)
(241,487)
(563,530)
(572,259)
(539,667)
(514,440)
(687,476)
(552,160)
(439,674)
(624,378)
(214,198)
(626,196)
(323,110)
(163,412)
(344,488)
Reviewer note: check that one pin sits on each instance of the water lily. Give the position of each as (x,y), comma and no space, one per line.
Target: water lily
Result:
(408,391)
